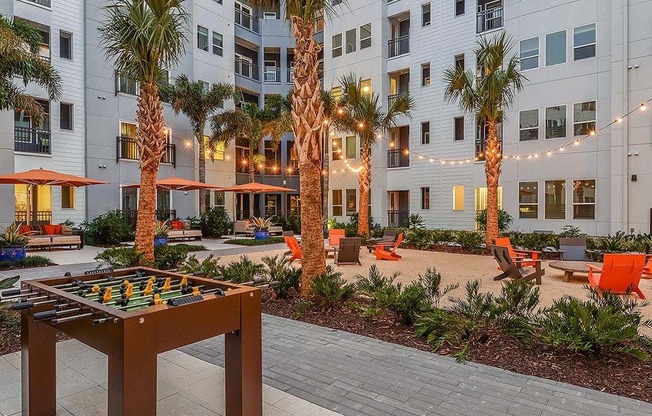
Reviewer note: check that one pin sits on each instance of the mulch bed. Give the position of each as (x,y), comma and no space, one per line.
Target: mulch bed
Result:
(615,373)
(10,331)
(445,248)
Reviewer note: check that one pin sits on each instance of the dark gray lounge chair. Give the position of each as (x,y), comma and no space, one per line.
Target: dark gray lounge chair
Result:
(389,236)
(573,249)
(349,251)
(514,269)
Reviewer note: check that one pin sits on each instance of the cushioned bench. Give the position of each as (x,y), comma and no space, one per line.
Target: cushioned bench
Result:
(50,236)
(181,231)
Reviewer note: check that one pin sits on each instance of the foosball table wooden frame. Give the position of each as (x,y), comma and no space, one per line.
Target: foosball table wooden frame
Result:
(132,340)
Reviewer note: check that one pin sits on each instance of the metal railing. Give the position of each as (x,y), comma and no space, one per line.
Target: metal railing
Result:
(398,158)
(30,140)
(247,69)
(44,3)
(272,74)
(290,75)
(131,215)
(127,148)
(392,97)
(35,217)
(126,86)
(247,21)
(396,218)
(481,135)
(490,16)
(398,46)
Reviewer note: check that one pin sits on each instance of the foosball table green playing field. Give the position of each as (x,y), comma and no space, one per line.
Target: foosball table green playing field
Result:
(131,315)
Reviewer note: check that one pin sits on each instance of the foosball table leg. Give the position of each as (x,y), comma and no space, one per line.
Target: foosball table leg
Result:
(38,367)
(243,361)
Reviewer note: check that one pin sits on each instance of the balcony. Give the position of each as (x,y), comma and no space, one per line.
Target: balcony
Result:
(35,217)
(162,215)
(247,21)
(399,46)
(127,148)
(30,140)
(44,3)
(490,16)
(272,74)
(481,135)
(247,69)
(397,218)
(398,158)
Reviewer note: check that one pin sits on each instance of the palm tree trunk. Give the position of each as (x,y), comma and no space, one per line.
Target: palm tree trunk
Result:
(364,180)
(151,143)
(252,178)
(307,117)
(493,160)
(325,178)
(202,172)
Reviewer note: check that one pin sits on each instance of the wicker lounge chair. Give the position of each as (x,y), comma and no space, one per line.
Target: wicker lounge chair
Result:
(515,268)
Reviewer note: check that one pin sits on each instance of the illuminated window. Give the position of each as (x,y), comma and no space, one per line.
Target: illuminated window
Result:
(584,199)
(458,198)
(365,87)
(216,152)
(528,200)
(337,202)
(336,148)
(351,202)
(555,208)
(425,198)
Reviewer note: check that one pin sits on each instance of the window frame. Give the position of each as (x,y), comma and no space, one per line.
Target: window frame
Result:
(565,43)
(70,44)
(339,49)
(220,47)
(545,202)
(457,61)
(425,197)
(456,11)
(521,129)
(425,22)
(459,205)
(336,154)
(351,46)
(537,55)
(200,35)
(347,193)
(71,113)
(545,119)
(425,133)
(594,203)
(528,204)
(355,147)
(340,206)
(455,136)
(367,41)
(588,45)
(72,197)
(425,81)
(594,121)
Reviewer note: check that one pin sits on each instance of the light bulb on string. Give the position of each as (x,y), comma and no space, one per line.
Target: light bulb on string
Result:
(643,107)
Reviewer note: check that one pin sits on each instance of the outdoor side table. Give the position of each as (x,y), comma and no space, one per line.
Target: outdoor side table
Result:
(570,267)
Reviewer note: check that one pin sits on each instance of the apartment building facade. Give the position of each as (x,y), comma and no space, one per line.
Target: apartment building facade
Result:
(587,62)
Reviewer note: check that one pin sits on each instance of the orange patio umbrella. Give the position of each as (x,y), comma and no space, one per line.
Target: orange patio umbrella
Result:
(45,177)
(257,188)
(177,184)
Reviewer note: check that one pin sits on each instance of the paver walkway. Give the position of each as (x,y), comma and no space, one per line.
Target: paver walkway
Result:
(355,375)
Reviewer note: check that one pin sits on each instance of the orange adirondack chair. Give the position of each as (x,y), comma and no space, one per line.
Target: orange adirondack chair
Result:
(294,247)
(647,270)
(522,256)
(382,254)
(334,235)
(619,273)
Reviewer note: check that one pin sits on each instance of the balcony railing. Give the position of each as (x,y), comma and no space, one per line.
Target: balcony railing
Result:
(44,3)
(396,218)
(127,148)
(398,158)
(398,46)
(131,215)
(247,69)
(247,21)
(490,16)
(481,134)
(30,140)
(392,97)
(35,217)
(290,75)
(272,74)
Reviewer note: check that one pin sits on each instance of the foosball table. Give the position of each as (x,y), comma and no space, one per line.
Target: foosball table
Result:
(131,315)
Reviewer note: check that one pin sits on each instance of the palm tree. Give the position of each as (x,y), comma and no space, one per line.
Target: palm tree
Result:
(19,58)
(198,104)
(363,114)
(253,124)
(307,116)
(486,94)
(144,38)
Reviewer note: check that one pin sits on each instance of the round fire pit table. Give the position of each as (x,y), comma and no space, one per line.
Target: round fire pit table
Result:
(570,267)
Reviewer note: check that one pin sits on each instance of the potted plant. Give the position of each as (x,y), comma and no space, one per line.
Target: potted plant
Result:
(12,243)
(261,228)
(161,230)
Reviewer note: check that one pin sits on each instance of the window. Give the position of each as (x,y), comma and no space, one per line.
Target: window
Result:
(425,75)
(215,152)
(218,44)
(458,198)
(65,116)
(270,15)
(219,199)
(556,48)
(425,132)
(555,200)
(584,42)
(481,198)
(459,61)
(336,148)
(350,41)
(337,202)
(67,197)
(584,199)
(528,200)
(65,45)
(351,202)
(529,125)
(336,2)
(205,85)
(556,122)
(459,7)
(425,198)
(202,38)
(351,147)
(365,36)
(44,47)
(458,133)
(583,118)
(530,53)
(365,87)
(425,14)
(337,45)
(336,92)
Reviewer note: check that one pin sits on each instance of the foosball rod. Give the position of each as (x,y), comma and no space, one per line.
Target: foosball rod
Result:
(141,299)
(52,314)
(217,291)
(102,282)
(95,296)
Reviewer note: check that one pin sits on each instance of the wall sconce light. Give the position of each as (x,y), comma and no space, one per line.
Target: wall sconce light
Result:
(101,166)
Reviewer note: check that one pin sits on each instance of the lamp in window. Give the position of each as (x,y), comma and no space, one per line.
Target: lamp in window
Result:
(643,107)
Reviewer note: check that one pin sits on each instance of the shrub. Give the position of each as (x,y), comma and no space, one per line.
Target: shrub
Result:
(169,257)
(375,281)
(252,242)
(504,220)
(470,240)
(165,257)
(605,322)
(107,229)
(241,271)
(26,263)
(209,267)
(290,223)
(215,222)
(442,236)
(570,231)
(352,226)
(431,282)
(330,289)
(415,222)
(278,270)
(421,239)
(120,257)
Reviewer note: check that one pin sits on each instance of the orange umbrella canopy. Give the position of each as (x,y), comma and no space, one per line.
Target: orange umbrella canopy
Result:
(177,184)
(47,177)
(257,188)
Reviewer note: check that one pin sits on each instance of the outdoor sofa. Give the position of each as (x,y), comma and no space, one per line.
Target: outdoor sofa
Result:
(49,236)
(181,231)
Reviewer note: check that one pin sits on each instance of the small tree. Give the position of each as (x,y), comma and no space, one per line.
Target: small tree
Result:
(486,94)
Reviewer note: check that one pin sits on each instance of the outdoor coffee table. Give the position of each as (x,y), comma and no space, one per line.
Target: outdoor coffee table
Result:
(570,267)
